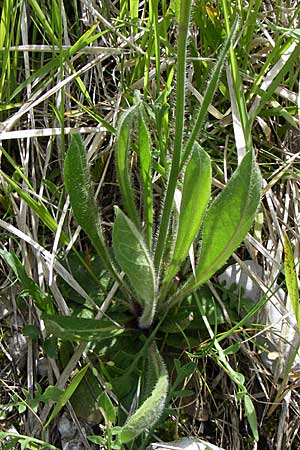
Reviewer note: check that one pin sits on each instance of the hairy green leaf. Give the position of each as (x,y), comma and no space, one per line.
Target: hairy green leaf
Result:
(195,197)
(228,219)
(79,187)
(146,169)
(79,329)
(123,140)
(133,257)
(148,413)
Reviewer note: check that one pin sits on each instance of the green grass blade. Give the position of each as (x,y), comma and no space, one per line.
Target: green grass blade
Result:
(79,187)
(40,74)
(107,408)
(144,145)
(42,301)
(38,207)
(7,6)
(92,112)
(134,259)
(237,99)
(153,6)
(9,36)
(123,140)
(195,197)
(228,219)
(44,21)
(150,411)
(48,68)
(17,169)
(267,82)
(67,394)
(251,416)
(134,9)
(291,278)
(28,442)
(209,93)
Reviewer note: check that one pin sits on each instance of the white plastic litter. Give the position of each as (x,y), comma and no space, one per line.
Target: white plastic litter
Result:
(186,443)
(281,339)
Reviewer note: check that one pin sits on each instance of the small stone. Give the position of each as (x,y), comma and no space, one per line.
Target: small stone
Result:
(73,444)
(17,345)
(42,367)
(66,428)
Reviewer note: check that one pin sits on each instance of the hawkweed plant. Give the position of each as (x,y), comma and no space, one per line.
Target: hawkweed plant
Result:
(213,230)
(149,249)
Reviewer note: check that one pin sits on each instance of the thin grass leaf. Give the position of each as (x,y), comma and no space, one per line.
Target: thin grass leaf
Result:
(79,188)
(251,416)
(67,394)
(46,26)
(57,60)
(237,96)
(209,93)
(39,75)
(94,115)
(291,278)
(38,207)
(134,9)
(287,54)
(8,37)
(228,219)
(195,197)
(123,140)
(42,301)
(150,411)
(133,257)
(153,13)
(250,24)
(7,6)
(20,438)
(107,408)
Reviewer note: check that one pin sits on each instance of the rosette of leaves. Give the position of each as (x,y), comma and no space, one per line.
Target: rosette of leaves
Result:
(141,247)
(221,225)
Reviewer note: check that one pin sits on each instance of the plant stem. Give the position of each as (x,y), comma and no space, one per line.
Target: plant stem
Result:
(179,123)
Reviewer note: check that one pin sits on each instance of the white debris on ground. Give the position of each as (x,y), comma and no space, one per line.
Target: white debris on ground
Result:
(281,338)
(186,443)
(5,306)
